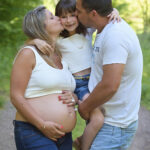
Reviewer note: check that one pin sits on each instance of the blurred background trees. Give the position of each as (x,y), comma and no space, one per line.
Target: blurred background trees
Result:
(145,11)
(135,12)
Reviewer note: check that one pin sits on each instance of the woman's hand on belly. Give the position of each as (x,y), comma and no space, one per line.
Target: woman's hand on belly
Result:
(52,130)
(68,98)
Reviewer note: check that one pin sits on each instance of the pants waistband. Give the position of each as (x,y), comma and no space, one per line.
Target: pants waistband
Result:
(87,76)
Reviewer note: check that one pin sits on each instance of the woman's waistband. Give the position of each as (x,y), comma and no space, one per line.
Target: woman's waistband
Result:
(18,123)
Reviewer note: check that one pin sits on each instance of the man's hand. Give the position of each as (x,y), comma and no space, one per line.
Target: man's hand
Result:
(83,112)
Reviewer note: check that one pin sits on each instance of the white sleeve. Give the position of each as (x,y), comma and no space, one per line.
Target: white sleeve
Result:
(114,49)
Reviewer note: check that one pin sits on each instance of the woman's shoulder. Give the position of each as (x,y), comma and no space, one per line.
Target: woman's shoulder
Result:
(24,60)
(24,54)
(26,51)
(29,49)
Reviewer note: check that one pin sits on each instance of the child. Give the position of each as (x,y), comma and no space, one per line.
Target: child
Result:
(75,44)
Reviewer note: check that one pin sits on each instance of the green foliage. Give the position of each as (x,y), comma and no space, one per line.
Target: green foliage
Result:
(144,40)
(50,4)
(145,6)
(12,37)
(135,12)
(12,12)
(2,100)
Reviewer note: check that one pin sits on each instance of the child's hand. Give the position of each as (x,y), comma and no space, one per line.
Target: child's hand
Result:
(43,46)
(114,16)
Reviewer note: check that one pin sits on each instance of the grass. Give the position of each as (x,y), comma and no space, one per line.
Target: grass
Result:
(79,127)
(78,130)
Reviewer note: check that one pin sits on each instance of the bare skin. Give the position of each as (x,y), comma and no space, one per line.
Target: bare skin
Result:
(49,108)
(30,110)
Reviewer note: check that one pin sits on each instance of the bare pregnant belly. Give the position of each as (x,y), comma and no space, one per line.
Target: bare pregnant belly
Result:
(49,108)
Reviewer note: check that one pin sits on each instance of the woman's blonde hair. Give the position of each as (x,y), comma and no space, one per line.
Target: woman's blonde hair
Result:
(34,27)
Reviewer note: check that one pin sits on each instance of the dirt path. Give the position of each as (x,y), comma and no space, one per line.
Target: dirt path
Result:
(6,128)
(141,141)
(142,137)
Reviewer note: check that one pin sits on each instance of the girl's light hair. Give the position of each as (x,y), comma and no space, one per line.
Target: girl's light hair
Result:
(35,28)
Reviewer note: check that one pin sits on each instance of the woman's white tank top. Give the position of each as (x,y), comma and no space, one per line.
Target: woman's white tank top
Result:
(46,79)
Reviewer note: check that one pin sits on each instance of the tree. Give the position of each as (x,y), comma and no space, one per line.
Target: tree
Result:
(145,5)
(12,12)
(51,4)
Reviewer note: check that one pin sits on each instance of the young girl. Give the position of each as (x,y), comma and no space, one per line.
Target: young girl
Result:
(75,44)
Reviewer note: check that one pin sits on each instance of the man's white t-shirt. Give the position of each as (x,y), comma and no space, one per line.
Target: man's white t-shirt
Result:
(118,43)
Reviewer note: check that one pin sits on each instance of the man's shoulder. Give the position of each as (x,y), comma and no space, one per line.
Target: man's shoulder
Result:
(118,30)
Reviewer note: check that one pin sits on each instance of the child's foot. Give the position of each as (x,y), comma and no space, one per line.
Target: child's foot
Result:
(77,144)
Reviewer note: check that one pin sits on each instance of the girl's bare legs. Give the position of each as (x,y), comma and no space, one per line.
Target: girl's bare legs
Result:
(95,123)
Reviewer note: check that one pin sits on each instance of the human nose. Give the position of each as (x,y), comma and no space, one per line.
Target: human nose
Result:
(68,19)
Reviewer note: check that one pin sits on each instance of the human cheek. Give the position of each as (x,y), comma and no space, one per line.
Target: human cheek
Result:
(79,18)
(82,19)
(75,20)
(63,22)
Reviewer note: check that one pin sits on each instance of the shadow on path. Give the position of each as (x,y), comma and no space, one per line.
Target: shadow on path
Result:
(141,140)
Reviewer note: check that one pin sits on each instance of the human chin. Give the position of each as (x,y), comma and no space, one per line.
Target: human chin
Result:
(84,23)
(71,29)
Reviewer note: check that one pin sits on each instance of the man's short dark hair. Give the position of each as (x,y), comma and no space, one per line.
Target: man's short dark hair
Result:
(103,7)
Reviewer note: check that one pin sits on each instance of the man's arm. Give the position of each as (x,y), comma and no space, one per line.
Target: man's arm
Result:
(104,90)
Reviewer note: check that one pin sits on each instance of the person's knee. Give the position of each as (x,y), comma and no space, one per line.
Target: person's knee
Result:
(97,120)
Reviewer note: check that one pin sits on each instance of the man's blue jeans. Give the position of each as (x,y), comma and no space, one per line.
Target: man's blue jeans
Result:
(114,138)
(27,137)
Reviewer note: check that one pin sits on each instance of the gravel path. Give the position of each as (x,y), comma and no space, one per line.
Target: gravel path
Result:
(141,141)
(6,128)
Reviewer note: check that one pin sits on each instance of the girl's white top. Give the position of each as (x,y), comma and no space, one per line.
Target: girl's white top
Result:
(76,51)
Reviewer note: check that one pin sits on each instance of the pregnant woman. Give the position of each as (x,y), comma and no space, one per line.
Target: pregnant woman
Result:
(42,121)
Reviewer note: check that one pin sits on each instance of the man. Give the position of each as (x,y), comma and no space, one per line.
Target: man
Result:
(116,75)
